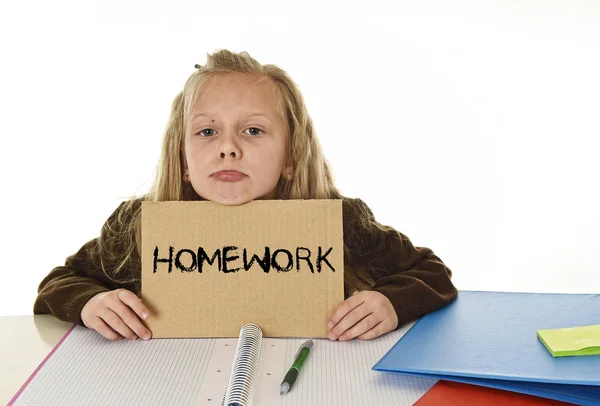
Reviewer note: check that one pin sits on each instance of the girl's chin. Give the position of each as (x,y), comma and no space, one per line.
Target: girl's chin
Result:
(228,199)
(233,198)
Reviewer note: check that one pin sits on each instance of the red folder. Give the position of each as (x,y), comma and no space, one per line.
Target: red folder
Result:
(456,393)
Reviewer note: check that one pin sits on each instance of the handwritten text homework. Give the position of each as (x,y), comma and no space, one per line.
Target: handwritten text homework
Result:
(228,259)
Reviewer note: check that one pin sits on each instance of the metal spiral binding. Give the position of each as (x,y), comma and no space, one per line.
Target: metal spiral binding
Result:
(245,366)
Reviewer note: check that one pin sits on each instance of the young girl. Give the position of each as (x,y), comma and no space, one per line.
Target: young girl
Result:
(240,131)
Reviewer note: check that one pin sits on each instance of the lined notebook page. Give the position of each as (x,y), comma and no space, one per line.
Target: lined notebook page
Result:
(336,373)
(88,369)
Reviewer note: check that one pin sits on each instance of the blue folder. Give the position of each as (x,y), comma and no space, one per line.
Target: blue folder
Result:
(489,339)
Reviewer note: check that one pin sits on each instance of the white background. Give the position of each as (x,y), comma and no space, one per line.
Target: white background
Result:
(471,127)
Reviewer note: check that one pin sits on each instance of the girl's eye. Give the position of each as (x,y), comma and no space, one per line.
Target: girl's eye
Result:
(254,131)
(208,132)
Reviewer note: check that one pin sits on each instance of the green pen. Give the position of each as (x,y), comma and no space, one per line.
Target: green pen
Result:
(292,374)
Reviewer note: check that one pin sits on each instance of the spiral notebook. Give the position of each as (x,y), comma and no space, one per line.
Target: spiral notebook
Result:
(85,368)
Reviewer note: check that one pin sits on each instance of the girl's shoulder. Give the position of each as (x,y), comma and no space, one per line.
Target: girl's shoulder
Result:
(354,207)
(131,205)
(126,212)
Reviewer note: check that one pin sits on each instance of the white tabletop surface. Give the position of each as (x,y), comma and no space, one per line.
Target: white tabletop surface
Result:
(24,343)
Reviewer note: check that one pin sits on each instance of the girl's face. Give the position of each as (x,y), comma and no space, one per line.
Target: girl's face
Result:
(235,141)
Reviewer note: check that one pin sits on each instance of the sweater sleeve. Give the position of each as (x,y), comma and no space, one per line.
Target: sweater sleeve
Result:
(66,289)
(414,279)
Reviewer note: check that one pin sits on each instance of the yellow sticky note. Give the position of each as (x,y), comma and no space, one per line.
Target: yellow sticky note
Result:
(572,341)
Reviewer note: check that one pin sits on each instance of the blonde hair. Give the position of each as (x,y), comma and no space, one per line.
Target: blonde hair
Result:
(312,178)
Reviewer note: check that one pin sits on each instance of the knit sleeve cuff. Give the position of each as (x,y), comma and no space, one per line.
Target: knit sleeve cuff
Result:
(80,294)
(407,301)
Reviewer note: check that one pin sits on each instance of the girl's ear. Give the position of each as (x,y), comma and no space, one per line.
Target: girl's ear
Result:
(288,172)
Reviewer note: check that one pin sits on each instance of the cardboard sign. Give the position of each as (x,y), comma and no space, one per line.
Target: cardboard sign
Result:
(208,269)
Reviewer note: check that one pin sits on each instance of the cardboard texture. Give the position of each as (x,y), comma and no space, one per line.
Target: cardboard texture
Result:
(213,280)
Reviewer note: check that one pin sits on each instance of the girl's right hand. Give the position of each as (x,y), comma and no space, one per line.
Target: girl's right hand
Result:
(116,314)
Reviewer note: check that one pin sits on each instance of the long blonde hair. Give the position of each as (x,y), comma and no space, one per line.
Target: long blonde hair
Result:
(312,177)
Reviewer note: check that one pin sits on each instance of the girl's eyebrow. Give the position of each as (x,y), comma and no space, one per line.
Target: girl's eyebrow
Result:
(253,114)
(247,114)
(261,115)
(194,117)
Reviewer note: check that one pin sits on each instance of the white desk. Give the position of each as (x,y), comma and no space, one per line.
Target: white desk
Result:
(24,343)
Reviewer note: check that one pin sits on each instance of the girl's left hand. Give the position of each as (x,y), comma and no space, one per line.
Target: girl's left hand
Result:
(365,315)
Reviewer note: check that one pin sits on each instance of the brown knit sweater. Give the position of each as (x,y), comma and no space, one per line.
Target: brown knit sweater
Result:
(413,278)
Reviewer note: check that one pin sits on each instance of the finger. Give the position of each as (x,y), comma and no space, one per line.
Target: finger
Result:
(115,322)
(104,330)
(134,302)
(346,307)
(349,320)
(360,328)
(130,319)
(375,332)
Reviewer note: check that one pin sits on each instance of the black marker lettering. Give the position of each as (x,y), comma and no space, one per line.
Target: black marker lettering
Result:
(203,257)
(306,258)
(276,264)
(170,260)
(182,267)
(222,259)
(265,264)
(323,258)
(227,258)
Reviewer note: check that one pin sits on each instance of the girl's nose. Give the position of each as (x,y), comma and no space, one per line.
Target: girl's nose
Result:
(232,154)
(229,147)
